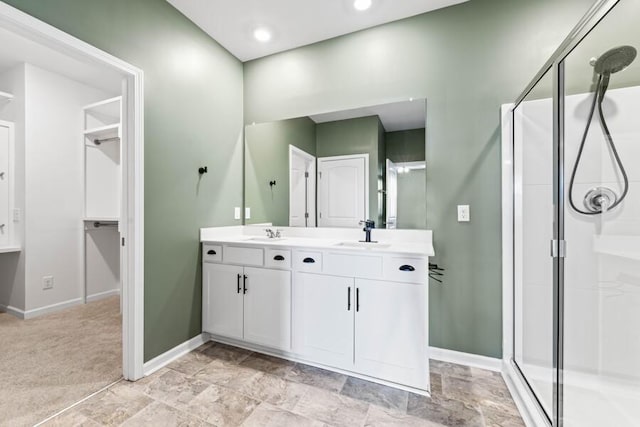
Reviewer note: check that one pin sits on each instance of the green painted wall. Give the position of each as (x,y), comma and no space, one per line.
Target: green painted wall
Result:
(267,159)
(406,145)
(466,60)
(353,136)
(193,117)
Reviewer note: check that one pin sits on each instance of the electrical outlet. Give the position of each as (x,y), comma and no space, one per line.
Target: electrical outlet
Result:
(247,213)
(464,214)
(47,282)
(16,215)
(236,213)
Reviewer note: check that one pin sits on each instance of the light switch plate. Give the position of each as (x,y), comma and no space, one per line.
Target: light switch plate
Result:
(236,213)
(247,213)
(47,282)
(464,214)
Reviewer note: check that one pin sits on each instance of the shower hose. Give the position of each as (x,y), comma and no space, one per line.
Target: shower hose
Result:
(598,98)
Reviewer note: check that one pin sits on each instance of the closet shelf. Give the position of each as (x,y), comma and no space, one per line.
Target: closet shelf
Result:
(10,249)
(103,133)
(5,97)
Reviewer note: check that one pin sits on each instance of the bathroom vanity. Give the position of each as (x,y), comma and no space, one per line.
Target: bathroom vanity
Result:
(322,297)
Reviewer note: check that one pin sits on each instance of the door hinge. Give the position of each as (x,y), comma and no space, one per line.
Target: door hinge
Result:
(306,214)
(123,241)
(319,175)
(558,248)
(306,174)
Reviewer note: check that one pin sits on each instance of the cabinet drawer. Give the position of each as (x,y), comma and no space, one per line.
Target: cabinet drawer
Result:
(365,266)
(310,261)
(244,256)
(405,269)
(211,253)
(278,258)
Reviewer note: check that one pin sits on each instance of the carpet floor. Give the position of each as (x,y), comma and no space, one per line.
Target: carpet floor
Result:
(52,361)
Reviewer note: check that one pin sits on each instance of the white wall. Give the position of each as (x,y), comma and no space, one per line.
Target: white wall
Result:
(12,265)
(54,185)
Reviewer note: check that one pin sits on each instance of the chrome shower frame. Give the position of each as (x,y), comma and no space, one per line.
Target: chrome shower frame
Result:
(555,65)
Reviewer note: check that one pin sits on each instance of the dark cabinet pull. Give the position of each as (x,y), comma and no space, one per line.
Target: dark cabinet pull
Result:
(349,298)
(211,252)
(407,268)
(278,258)
(239,276)
(244,285)
(309,260)
(357,299)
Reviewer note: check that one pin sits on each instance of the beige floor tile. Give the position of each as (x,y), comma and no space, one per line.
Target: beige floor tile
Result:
(268,364)
(175,389)
(115,405)
(222,406)
(190,363)
(226,374)
(448,412)
(158,414)
(316,377)
(71,418)
(380,417)
(500,419)
(331,408)
(274,390)
(226,353)
(267,415)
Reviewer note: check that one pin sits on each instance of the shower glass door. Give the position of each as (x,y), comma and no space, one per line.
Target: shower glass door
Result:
(601,311)
(533,232)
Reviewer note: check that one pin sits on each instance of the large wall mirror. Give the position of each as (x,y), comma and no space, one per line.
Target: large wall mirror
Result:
(339,168)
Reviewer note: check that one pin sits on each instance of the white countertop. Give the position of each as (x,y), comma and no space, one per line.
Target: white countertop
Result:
(416,242)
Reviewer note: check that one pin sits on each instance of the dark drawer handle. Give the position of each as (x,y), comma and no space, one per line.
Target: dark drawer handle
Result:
(309,260)
(407,268)
(211,252)
(278,258)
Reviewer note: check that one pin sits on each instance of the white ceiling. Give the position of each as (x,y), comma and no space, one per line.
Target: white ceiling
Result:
(16,49)
(293,23)
(395,116)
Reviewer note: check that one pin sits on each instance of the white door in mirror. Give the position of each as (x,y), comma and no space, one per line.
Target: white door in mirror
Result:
(464,213)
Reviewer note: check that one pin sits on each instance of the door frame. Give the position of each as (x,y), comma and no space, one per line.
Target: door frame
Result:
(311,201)
(132,221)
(364,156)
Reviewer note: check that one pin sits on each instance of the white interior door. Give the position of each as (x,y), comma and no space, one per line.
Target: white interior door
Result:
(302,188)
(4,185)
(391,195)
(342,190)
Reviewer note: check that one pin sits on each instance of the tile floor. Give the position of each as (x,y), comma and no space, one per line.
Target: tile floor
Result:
(221,385)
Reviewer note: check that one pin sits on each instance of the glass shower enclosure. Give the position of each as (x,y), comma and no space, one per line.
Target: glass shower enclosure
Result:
(575,177)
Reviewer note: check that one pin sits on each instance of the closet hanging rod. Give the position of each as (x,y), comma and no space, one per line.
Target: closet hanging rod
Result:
(99,224)
(100,141)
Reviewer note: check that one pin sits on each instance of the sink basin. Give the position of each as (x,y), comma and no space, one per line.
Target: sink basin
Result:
(364,245)
(267,239)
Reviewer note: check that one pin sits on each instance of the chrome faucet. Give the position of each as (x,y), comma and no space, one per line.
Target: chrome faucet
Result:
(368,226)
(271,234)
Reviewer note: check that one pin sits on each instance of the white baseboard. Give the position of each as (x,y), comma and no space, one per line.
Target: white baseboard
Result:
(48,309)
(475,360)
(176,352)
(530,412)
(12,311)
(103,295)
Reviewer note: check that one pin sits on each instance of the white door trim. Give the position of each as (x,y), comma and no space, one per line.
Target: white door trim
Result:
(367,210)
(132,222)
(312,175)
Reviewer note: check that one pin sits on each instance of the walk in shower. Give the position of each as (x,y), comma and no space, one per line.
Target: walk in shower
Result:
(573,157)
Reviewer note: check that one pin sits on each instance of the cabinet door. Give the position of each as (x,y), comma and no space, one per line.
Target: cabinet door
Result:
(267,307)
(323,319)
(390,332)
(221,300)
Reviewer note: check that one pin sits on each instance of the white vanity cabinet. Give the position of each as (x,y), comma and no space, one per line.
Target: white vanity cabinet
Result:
(247,303)
(360,312)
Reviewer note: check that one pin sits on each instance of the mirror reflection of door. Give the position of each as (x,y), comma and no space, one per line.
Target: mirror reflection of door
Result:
(342,190)
(302,188)
(391,196)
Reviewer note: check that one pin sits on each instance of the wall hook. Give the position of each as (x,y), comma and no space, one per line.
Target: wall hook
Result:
(202,170)
(272,183)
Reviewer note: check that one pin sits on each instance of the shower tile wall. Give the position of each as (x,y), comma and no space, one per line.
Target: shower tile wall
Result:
(602,268)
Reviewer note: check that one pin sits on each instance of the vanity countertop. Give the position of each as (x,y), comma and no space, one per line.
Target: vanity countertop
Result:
(389,241)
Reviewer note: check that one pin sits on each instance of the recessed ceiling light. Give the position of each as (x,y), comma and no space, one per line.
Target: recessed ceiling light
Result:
(362,4)
(262,34)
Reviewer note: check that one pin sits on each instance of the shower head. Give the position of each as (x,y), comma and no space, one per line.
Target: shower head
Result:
(614,60)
